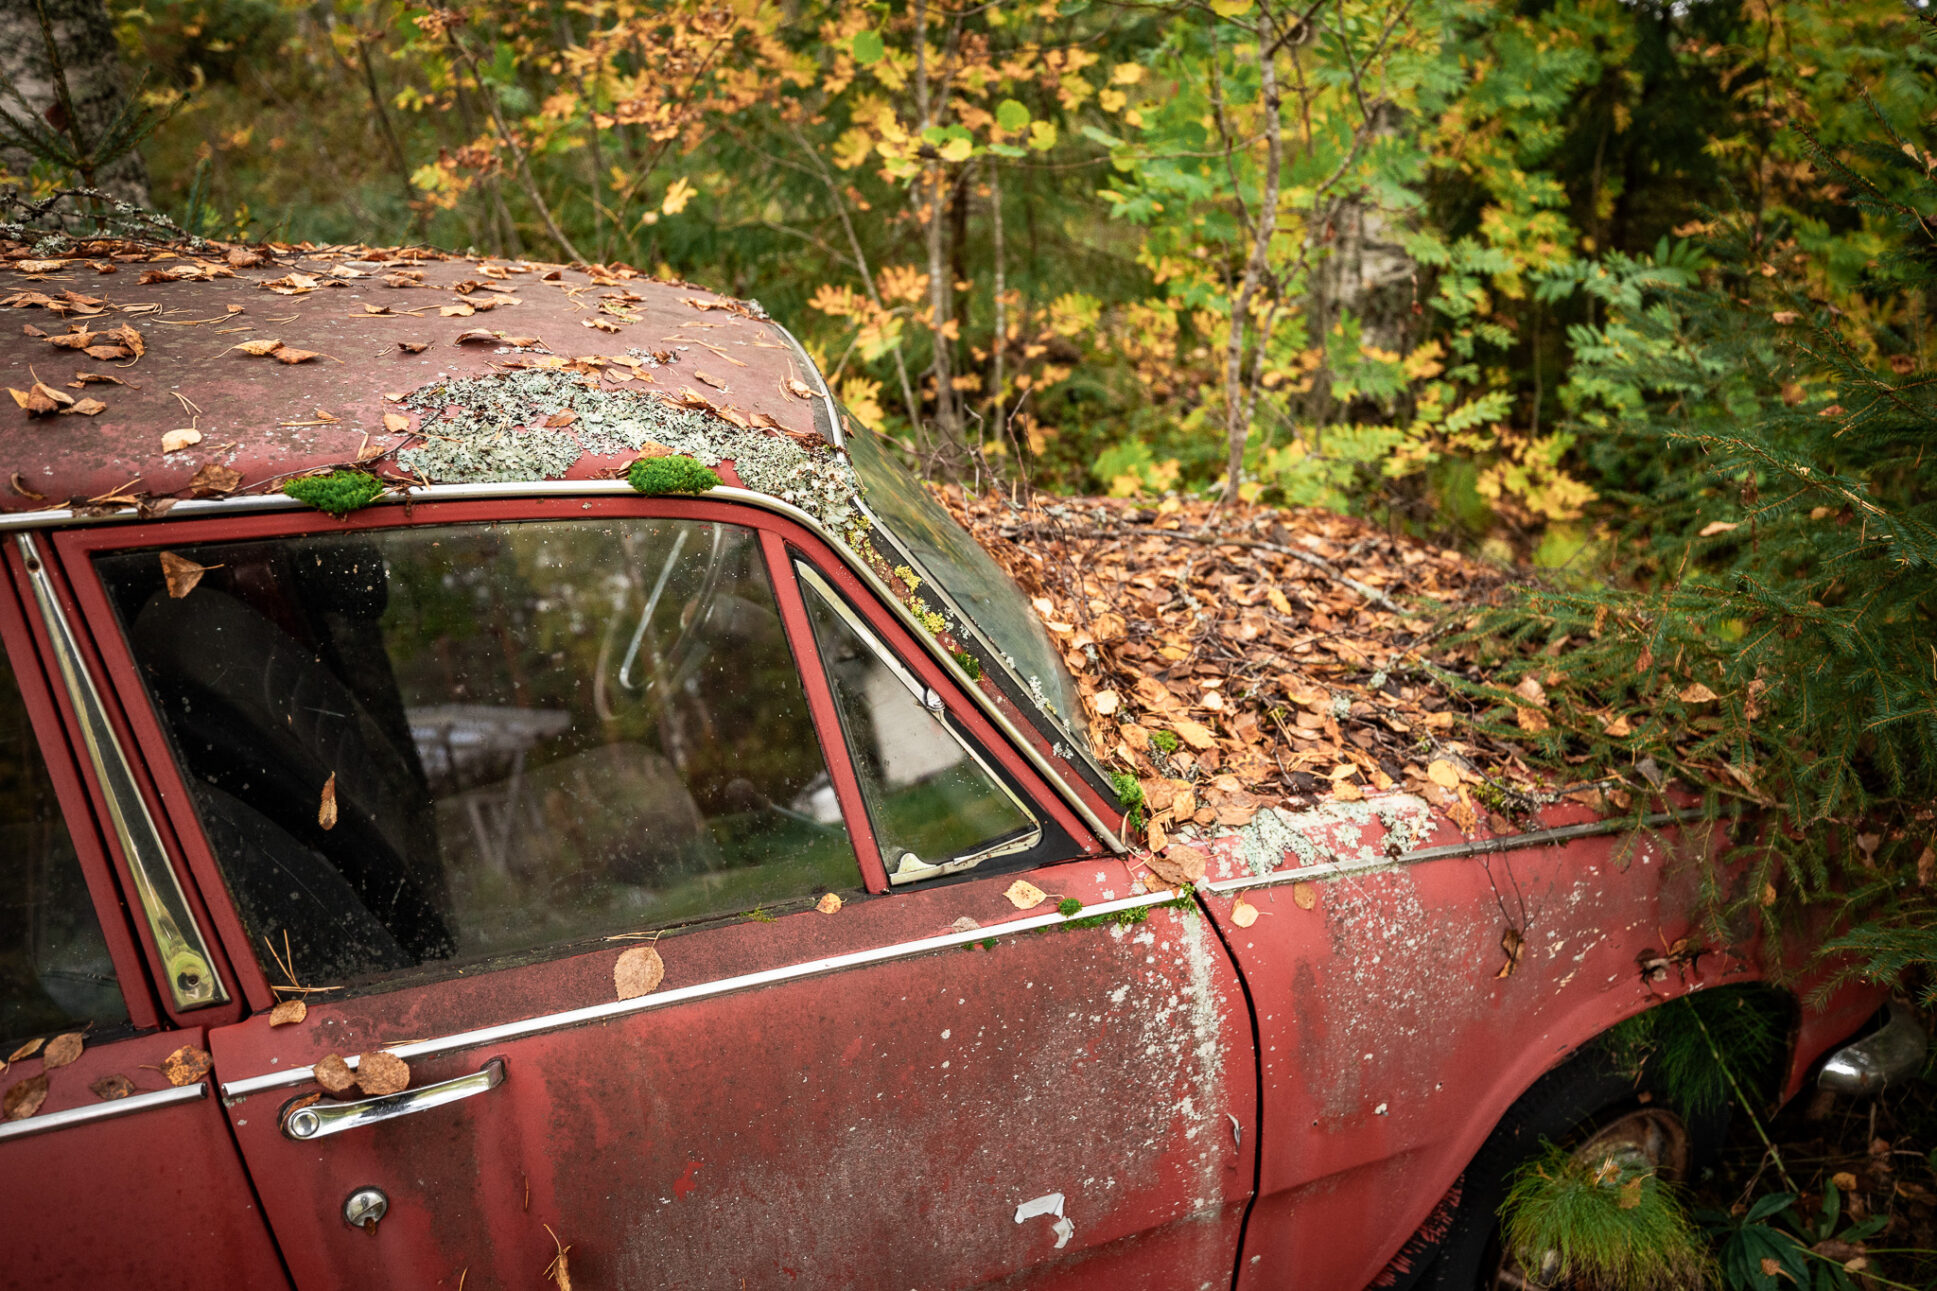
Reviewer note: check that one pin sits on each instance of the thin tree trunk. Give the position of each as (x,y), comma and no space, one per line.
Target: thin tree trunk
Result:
(999,405)
(933,188)
(1237,429)
(517,153)
(82,34)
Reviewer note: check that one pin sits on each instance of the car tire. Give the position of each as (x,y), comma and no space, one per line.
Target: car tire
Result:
(1572,1104)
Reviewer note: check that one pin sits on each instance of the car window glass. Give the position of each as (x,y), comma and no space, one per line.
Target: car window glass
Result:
(929,795)
(55,972)
(440,744)
(978,585)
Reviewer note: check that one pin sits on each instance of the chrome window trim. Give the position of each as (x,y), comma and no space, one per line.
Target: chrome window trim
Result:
(1447,851)
(128,1106)
(704,990)
(192,981)
(209,508)
(814,370)
(923,868)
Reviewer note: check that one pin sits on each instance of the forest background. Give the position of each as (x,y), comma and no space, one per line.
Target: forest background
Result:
(1630,297)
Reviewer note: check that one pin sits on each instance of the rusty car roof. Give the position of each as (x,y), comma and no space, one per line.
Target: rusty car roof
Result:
(114,346)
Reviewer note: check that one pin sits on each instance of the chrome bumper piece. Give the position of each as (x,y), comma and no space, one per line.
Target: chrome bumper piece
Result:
(1887,1056)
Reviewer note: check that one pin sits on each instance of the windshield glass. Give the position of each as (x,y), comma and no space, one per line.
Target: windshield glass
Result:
(968,573)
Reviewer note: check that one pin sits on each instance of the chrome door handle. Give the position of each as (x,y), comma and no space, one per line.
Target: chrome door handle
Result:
(320,1119)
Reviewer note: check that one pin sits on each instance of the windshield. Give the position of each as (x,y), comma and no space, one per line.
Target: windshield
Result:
(968,574)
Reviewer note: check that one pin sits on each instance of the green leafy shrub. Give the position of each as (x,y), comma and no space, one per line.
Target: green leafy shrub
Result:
(338,493)
(656,476)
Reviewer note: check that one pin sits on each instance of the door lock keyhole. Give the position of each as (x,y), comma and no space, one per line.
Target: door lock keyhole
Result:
(364,1208)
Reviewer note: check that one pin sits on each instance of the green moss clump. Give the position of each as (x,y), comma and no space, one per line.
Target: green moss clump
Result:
(1069,906)
(654,476)
(338,493)
(1129,792)
(1166,741)
(969,664)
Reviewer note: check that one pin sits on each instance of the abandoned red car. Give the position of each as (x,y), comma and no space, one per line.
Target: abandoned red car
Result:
(507,855)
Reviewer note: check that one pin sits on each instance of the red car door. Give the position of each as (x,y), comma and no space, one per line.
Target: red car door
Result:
(112,1173)
(564,747)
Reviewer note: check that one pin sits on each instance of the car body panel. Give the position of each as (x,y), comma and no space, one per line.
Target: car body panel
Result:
(872,1125)
(145,1191)
(1395,1028)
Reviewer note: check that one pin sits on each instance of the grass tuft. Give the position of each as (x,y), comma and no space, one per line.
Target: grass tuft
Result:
(1606,1224)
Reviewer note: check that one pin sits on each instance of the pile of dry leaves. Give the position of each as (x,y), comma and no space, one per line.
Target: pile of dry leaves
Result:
(1233,657)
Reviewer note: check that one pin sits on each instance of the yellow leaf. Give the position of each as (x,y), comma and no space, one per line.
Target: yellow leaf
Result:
(1443,773)
(1042,135)
(958,149)
(1195,734)
(1243,913)
(677,196)
(829,903)
(1024,895)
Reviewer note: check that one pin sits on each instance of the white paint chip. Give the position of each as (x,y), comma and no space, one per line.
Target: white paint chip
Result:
(1064,1230)
(1050,1203)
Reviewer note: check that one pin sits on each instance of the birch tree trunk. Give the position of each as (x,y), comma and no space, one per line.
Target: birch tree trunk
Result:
(84,36)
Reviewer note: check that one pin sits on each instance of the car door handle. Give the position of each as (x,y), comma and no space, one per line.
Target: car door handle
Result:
(317,1120)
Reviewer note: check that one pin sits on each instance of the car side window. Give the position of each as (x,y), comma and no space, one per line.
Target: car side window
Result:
(55,971)
(440,744)
(936,805)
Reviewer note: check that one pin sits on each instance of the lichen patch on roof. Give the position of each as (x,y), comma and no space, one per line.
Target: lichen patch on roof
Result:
(145,339)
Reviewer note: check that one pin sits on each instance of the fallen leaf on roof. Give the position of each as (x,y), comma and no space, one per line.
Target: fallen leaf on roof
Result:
(28,329)
(88,407)
(799,389)
(559,420)
(288,1013)
(1024,895)
(455,311)
(288,355)
(1195,734)
(1243,913)
(1443,773)
(375,309)
(381,1072)
(108,353)
(413,347)
(638,972)
(61,1050)
(27,1050)
(97,378)
(186,1065)
(395,422)
(109,1088)
(128,336)
(478,336)
(829,904)
(1304,895)
(522,342)
(176,440)
(76,340)
(559,1271)
(292,284)
(181,574)
(335,1076)
(258,347)
(242,258)
(713,381)
(42,400)
(214,479)
(24,1097)
(40,266)
(326,809)
(602,324)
